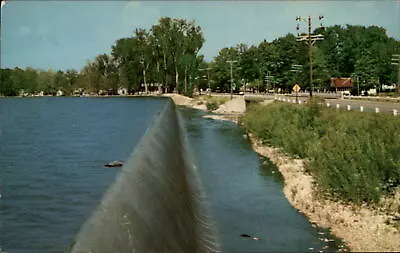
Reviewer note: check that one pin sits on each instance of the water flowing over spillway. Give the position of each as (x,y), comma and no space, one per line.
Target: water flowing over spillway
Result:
(156,204)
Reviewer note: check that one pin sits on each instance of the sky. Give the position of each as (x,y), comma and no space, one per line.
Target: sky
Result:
(66,34)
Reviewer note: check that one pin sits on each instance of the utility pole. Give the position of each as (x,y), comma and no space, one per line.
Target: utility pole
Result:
(208,79)
(310,39)
(396,62)
(231,62)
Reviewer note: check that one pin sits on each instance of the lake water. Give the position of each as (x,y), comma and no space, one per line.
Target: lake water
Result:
(52,152)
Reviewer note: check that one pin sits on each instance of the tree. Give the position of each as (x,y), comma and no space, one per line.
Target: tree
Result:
(127,63)
(90,75)
(321,73)
(72,77)
(7,87)
(221,67)
(179,41)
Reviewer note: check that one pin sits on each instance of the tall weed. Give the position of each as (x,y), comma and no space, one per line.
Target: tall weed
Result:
(353,156)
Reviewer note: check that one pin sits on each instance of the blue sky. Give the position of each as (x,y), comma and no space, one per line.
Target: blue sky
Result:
(65,34)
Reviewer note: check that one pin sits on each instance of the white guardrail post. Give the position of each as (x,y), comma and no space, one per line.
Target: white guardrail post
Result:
(361,108)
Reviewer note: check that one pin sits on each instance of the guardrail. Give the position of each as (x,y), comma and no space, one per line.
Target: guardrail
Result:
(348,107)
(370,98)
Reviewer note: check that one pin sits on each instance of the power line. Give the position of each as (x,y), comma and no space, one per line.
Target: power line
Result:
(310,39)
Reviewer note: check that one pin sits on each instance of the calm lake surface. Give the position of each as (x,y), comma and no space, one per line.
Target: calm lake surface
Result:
(52,152)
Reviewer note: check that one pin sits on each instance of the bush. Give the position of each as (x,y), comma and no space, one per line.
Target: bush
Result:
(213,102)
(211,106)
(353,156)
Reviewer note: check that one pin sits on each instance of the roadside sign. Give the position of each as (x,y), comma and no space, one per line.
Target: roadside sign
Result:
(296,88)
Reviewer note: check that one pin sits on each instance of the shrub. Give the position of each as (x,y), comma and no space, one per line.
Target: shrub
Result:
(213,102)
(211,106)
(353,156)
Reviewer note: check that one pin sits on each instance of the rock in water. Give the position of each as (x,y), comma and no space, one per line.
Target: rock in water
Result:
(114,164)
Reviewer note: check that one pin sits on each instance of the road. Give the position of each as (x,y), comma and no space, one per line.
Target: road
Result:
(368,106)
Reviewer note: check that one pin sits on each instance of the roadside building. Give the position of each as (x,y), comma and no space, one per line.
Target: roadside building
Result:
(342,84)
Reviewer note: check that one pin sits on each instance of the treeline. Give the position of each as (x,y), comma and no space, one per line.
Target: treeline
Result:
(347,51)
(167,55)
(13,81)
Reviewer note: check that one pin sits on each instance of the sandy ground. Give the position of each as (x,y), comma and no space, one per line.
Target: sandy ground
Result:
(230,111)
(186,101)
(362,228)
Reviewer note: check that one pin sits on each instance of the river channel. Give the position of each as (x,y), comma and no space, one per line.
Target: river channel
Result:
(245,193)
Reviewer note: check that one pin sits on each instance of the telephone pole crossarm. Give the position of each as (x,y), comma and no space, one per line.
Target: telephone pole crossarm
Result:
(310,39)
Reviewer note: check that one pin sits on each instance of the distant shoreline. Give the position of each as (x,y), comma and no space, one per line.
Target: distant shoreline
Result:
(99,96)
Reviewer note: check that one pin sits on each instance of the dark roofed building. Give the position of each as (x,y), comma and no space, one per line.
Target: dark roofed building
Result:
(342,83)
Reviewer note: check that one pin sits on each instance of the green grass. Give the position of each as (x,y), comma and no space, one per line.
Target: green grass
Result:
(353,156)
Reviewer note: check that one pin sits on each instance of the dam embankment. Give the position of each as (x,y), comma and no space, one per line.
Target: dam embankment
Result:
(167,200)
(156,203)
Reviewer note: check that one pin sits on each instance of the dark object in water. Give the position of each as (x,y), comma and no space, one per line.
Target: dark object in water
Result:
(114,164)
(249,236)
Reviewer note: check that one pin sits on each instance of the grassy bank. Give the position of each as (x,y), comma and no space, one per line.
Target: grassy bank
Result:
(213,102)
(353,156)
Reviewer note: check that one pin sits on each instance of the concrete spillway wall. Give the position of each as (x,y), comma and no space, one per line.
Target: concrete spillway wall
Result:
(157,203)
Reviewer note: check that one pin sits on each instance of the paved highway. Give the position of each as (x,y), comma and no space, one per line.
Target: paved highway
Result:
(368,106)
